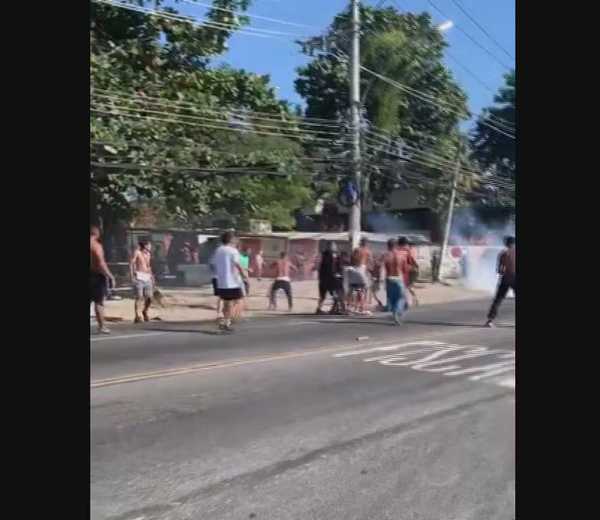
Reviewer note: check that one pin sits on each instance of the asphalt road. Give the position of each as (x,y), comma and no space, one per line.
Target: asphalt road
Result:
(296,418)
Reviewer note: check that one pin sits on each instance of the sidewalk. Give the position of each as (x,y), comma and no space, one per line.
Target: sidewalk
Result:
(199,304)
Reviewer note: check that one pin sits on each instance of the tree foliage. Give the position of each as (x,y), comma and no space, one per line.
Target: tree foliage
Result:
(407,48)
(155,100)
(493,150)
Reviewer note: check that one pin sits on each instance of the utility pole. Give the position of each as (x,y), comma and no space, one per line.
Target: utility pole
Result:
(450,211)
(355,211)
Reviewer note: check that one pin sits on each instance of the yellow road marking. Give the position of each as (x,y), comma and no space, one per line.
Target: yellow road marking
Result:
(210,366)
(132,378)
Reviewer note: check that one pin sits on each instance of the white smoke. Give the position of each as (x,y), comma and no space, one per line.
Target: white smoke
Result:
(482,242)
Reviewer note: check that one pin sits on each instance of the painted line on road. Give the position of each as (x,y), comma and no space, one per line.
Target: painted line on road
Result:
(127,336)
(209,366)
(132,378)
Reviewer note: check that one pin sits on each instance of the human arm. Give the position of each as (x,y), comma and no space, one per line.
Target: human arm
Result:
(98,253)
(501,263)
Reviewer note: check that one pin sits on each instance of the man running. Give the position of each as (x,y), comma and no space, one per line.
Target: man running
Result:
(395,262)
(229,278)
(100,278)
(412,268)
(283,266)
(508,278)
(142,279)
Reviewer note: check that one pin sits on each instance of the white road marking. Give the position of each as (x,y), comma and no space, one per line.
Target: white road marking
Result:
(508,382)
(127,336)
(432,356)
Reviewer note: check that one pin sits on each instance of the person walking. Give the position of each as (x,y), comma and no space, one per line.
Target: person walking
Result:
(229,278)
(215,285)
(508,278)
(328,268)
(357,284)
(142,280)
(411,269)
(100,278)
(258,264)
(245,263)
(283,268)
(396,270)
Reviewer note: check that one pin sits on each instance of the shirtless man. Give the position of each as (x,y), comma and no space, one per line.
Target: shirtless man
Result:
(282,280)
(365,257)
(142,279)
(258,264)
(507,272)
(395,262)
(100,276)
(412,272)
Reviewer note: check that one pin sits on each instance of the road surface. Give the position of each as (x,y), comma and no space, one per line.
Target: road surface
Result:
(307,417)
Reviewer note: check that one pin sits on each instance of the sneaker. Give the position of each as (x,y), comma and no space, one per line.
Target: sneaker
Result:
(490,324)
(104,330)
(137,320)
(397,317)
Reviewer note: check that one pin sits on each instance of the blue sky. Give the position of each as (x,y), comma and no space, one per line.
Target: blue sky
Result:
(279,59)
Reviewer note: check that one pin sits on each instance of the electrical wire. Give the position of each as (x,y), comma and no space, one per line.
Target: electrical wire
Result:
(199,108)
(463,9)
(215,127)
(201,23)
(183,117)
(250,15)
(195,105)
(473,40)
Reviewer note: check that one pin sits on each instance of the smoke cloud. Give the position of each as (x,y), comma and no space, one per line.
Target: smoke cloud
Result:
(482,239)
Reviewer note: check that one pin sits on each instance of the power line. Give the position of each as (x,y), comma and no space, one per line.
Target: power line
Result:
(250,15)
(190,169)
(184,117)
(428,99)
(463,9)
(477,43)
(498,121)
(132,143)
(201,22)
(215,127)
(226,111)
(440,162)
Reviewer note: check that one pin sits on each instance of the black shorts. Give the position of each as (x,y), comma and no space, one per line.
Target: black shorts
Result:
(98,288)
(215,287)
(231,294)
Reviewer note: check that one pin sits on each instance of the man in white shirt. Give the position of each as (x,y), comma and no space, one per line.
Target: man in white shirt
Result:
(229,278)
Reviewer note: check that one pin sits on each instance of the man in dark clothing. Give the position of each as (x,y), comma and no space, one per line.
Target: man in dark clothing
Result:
(330,280)
(508,278)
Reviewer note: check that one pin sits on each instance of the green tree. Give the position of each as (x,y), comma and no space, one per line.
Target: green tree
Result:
(408,49)
(495,150)
(158,107)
